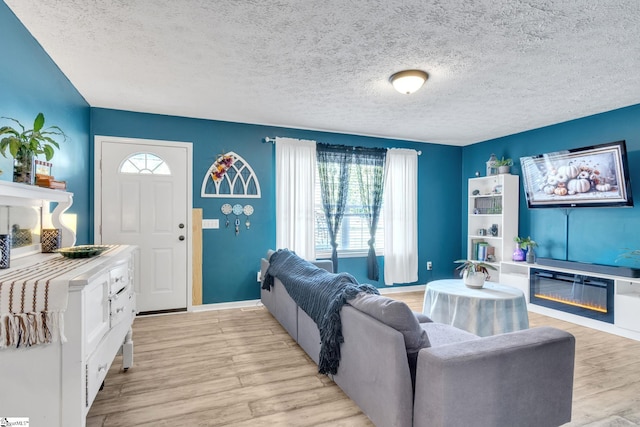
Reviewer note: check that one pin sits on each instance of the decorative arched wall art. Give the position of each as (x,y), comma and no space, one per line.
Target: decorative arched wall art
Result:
(230,176)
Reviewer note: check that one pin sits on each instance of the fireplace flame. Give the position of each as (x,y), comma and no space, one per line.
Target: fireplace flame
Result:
(587,305)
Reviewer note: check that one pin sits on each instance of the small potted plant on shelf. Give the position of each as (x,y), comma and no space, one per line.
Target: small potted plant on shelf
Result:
(24,144)
(524,249)
(504,165)
(474,273)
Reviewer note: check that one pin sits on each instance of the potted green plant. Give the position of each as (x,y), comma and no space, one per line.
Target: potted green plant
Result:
(24,144)
(525,242)
(474,273)
(504,165)
(525,245)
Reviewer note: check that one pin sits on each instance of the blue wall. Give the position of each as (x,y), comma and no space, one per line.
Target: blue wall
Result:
(231,262)
(32,83)
(595,235)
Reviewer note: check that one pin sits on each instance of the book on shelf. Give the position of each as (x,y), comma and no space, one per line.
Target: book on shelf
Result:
(477,244)
(482,251)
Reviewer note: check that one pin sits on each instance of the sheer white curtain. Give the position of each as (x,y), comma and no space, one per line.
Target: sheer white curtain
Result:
(401,217)
(295,191)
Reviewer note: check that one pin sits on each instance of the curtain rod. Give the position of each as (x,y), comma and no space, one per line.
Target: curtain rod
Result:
(273,140)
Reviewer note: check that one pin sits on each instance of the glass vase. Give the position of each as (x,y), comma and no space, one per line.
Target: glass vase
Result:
(531,255)
(23,168)
(518,253)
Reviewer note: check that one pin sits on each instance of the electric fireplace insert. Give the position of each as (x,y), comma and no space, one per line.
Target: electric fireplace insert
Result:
(578,294)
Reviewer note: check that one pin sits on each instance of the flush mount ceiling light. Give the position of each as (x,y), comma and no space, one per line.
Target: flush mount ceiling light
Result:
(408,81)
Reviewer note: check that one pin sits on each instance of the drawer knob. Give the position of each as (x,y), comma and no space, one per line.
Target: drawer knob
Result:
(119,309)
(102,367)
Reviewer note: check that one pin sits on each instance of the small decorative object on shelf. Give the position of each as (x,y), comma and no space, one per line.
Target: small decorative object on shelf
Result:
(531,255)
(50,240)
(518,253)
(524,245)
(492,165)
(20,236)
(504,165)
(5,250)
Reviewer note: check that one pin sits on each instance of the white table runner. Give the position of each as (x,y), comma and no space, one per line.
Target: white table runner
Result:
(33,300)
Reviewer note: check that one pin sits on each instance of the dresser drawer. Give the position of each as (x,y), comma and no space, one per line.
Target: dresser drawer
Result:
(97,367)
(122,305)
(96,312)
(118,278)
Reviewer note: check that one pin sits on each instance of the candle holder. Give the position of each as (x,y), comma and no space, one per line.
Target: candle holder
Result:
(5,250)
(50,240)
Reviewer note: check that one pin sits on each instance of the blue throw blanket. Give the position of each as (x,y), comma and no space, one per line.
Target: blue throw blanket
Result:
(321,295)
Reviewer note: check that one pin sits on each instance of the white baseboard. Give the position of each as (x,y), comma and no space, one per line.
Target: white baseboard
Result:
(227,305)
(257,303)
(398,289)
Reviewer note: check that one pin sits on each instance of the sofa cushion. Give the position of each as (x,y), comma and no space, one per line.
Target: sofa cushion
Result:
(395,314)
(422,318)
(441,334)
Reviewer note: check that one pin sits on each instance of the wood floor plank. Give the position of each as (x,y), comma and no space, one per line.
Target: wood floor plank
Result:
(239,367)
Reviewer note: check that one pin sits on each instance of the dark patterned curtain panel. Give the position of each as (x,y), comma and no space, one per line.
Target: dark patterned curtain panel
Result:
(333,170)
(370,174)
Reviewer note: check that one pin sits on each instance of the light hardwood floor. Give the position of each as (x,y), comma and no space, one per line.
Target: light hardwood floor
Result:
(239,367)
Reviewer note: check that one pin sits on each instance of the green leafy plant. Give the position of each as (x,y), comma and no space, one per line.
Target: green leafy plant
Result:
(24,142)
(525,242)
(472,267)
(504,162)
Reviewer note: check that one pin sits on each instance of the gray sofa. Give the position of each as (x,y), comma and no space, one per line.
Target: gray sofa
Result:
(523,378)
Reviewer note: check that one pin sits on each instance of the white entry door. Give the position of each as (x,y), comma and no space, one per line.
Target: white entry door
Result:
(145,201)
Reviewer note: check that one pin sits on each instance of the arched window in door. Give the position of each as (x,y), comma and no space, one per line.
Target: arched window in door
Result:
(145,164)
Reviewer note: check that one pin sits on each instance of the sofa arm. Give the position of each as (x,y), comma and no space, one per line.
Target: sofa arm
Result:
(522,378)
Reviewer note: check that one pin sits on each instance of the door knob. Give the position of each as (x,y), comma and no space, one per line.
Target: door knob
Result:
(180,225)
(181,238)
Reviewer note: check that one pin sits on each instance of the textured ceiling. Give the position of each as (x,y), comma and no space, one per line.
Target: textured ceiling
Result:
(497,67)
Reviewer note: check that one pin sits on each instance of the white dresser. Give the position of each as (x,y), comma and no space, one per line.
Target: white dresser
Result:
(55,384)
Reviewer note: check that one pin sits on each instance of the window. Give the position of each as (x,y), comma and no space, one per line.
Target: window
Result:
(353,236)
(144,163)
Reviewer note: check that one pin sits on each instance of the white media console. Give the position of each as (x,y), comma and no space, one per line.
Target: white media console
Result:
(626,295)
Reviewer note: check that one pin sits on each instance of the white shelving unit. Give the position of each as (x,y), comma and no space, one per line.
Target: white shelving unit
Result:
(493,218)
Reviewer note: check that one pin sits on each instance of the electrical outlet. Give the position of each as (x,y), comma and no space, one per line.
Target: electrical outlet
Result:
(429,265)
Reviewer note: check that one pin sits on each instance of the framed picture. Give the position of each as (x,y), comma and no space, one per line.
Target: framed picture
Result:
(42,168)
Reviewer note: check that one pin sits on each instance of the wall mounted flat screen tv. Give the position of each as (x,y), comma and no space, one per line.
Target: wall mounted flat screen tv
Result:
(595,176)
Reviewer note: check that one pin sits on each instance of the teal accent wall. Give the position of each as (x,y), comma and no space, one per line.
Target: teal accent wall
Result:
(231,262)
(31,83)
(594,235)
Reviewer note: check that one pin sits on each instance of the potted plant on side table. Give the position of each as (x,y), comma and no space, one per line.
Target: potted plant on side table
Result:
(474,273)
(24,144)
